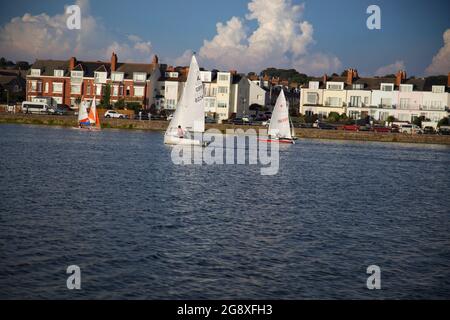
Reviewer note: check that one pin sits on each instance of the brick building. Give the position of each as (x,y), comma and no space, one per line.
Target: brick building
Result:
(65,81)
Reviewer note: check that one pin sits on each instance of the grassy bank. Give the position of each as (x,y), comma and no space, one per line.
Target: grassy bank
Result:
(70,121)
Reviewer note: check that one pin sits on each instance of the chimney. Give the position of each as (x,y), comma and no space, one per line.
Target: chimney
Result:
(399,77)
(349,77)
(113,62)
(448,80)
(325,78)
(233,72)
(72,63)
(155,60)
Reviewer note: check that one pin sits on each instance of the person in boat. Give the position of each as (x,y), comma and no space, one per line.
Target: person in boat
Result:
(180,132)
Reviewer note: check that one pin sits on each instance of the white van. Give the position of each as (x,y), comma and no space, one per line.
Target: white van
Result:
(35,107)
(410,128)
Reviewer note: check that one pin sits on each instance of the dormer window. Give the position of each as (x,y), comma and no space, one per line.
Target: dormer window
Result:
(58,73)
(139,76)
(35,72)
(358,86)
(335,85)
(100,77)
(314,85)
(117,76)
(406,88)
(438,89)
(76,74)
(387,87)
(171,74)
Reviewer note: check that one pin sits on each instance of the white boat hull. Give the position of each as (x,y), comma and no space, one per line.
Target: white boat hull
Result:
(182,141)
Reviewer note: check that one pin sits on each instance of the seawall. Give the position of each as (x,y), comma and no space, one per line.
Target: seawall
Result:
(71,121)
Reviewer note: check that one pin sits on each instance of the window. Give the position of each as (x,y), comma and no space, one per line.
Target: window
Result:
(406,88)
(98,90)
(334,102)
(386,102)
(358,86)
(355,101)
(47,87)
(222,105)
(335,85)
(224,77)
(170,103)
(100,77)
(57,87)
(35,86)
(311,98)
(223,90)
(387,87)
(88,89)
(128,91)
(404,103)
(138,91)
(58,73)
(117,76)
(76,74)
(139,76)
(115,91)
(314,85)
(75,88)
(438,89)
(35,72)
(58,100)
(366,101)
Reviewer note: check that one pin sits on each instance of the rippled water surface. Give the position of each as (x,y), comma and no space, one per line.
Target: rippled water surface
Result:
(140,227)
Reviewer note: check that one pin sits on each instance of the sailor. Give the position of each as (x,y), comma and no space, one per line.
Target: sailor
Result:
(180,132)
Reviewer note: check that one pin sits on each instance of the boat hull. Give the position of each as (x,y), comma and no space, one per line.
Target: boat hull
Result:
(284,141)
(182,141)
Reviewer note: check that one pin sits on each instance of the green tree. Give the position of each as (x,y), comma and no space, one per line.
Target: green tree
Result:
(391,119)
(444,122)
(334,117)
(418,121)
(106,98)
(120,104)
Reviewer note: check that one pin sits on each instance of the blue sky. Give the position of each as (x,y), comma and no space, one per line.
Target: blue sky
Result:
(412,31)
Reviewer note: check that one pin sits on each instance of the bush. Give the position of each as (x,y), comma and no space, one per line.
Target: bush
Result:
(444,122)
(334,117)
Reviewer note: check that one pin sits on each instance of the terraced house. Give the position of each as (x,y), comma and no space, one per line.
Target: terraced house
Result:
(381,97)
(66,81)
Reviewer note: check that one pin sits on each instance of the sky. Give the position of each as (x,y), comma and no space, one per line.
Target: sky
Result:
(312,36)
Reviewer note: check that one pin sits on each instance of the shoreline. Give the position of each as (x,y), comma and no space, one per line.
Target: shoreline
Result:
(153,125)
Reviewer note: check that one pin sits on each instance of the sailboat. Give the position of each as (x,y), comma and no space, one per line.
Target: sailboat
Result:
(280,128)
(189,116)
(83,116)
(94,119)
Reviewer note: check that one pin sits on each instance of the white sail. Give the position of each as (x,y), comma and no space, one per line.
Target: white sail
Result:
(190,112)
(279,124)
(82,113)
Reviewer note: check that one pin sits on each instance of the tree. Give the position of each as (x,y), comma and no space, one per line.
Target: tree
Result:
(120,104)
(444,122)
(418,121)
(334,117)
(106,98)
(391,119)
(291,75)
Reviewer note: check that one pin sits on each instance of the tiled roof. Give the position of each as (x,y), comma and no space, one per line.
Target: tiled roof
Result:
(47,67)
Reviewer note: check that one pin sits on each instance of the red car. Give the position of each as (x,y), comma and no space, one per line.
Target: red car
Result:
(381,129)
(350,127)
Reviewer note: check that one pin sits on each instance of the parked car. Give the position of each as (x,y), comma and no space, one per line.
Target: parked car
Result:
(115,114)
(429,130)
(325,126)
(60,110)
(239,121)
(411,129)
(381,129)
(169,117)
(210,120)
(395,128)
(444,130)
(350,127)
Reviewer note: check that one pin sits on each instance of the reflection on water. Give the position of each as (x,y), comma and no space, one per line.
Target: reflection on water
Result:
(140,227)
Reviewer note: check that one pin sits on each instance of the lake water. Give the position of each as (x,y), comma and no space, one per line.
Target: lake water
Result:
(140,227)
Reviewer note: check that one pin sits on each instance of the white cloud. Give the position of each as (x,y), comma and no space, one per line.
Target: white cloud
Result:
(391,68)
(47,37)
(184,59)
(282,39)
(441,61)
